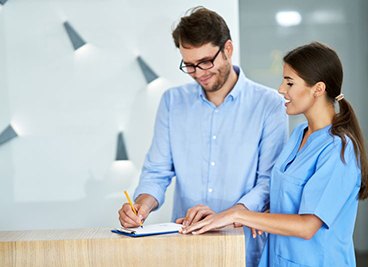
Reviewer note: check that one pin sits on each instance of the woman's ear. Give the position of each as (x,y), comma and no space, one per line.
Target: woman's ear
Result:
(319,89)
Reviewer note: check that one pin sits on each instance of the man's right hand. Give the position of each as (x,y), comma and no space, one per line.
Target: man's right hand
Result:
(129,219)
(144,205)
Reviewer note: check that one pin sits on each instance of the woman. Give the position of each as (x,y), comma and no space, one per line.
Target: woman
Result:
(319,175)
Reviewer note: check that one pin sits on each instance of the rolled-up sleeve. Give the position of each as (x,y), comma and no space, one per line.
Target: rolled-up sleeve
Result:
(158,169)
(273,139)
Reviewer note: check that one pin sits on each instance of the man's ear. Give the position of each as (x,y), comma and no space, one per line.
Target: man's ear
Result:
(319,89)
(228,48)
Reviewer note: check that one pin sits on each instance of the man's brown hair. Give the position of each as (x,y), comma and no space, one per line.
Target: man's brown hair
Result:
(199,27)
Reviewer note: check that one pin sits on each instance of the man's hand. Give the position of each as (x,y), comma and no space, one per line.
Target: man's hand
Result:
(128,218)
(195,214)
(144,205)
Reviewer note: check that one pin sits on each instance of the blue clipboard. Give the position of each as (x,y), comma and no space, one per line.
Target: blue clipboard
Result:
(148,230)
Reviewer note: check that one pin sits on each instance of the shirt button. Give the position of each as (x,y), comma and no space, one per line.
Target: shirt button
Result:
(216,110)
(210,190)
(213,163)
(214,137)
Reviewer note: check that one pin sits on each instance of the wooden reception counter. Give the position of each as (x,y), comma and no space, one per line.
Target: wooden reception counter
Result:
(100,247)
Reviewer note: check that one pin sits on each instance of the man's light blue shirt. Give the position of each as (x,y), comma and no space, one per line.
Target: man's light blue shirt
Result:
(221,155)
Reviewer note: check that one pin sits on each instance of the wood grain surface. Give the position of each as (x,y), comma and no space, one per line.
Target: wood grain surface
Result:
(100,247)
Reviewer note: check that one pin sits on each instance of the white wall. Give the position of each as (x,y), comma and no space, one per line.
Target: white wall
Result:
(68,107)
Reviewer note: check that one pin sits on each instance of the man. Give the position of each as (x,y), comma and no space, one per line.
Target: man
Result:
(219,135)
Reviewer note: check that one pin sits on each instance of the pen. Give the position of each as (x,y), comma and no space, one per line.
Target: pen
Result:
(131,205)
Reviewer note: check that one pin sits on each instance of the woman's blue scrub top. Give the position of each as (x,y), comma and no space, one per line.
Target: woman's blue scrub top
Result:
(314,180)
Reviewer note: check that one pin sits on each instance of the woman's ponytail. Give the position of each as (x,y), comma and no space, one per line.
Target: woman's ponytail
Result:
(345,123)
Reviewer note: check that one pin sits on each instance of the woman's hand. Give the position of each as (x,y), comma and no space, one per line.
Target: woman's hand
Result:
(255,231)
(195,214)
(211,222)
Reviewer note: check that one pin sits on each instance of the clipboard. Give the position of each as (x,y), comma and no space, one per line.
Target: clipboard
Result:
(147,230)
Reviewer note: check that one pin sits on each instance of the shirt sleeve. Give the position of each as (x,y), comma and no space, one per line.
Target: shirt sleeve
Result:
(158,169)
(333,183)
(273,139)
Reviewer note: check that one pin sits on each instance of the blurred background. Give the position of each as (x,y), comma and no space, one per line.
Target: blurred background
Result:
(71,81)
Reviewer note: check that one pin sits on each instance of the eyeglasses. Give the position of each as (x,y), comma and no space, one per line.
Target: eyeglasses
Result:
(203,65)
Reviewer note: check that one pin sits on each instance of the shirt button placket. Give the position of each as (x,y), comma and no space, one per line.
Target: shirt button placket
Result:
(213,152)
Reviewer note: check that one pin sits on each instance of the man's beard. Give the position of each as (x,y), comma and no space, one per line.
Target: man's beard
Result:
(222,76)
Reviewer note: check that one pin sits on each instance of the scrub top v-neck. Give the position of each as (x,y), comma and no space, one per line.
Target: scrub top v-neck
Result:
(314,180)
